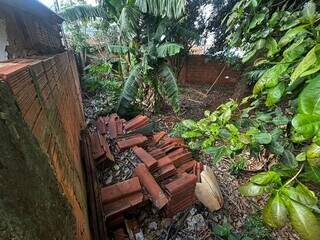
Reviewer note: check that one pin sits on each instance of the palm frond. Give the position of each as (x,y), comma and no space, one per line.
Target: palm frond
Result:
(172,9)
(129,21)
(130,90)
(82,13)
(168,49)
(168,87)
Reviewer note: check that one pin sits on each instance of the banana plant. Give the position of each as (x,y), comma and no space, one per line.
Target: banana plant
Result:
(144,47)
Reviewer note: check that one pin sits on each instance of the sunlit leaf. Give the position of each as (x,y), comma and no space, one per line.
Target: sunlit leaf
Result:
(266,178)
(292,34)
(303,220)
(252,190)
(275,94)
(275,213)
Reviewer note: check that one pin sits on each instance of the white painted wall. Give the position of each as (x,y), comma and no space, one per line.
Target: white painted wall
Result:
(3,40)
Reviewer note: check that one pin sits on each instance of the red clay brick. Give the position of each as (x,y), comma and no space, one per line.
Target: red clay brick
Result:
(146,158)
(131,141)
(187,167)
(157,195)
(120,190)
(136,122)
(112,126)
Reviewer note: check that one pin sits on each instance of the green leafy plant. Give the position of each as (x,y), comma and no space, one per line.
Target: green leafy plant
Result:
(237,166)
(253,229)
(289,200)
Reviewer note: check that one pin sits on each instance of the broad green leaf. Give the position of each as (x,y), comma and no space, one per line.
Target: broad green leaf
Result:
(275,94)
(314,69)
(256,20)
(271,77)
(249,55)
(306,124)
(264,117)
(276,147)
(303,220)
(296,50)
(191,134)
(289,159)
(301,157)
(309,60)
(168,49)
(309,12)
(188,123)
(311,174)
(217,153)
(306,196)
(291,34)
(252,190)
(275,213)
(263,138)
(301,194)
(266,178)
(313,155)
(274,19)
(279,120)
(309,98)
(272,47)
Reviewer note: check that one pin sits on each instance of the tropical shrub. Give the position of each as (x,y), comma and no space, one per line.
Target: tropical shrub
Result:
(144,46)
(280,41)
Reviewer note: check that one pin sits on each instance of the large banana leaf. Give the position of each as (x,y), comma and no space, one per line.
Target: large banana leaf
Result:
(130,90)
(172,9)
(119,49)
(129,21)
(168,49)
(82,13)
(168,87)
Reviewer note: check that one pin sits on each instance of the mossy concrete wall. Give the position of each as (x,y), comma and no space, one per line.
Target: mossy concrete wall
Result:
(31,203)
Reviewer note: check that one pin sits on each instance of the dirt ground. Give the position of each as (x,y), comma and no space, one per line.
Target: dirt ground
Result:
(196,223)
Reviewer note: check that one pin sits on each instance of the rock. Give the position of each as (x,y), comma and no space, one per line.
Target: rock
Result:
(196,222)
(153,226)
(166,222)
(193,211)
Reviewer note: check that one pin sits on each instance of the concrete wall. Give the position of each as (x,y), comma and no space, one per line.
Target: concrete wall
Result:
(197,69)
(47,93)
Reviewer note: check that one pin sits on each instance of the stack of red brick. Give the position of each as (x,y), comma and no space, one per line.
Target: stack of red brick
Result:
(167,174)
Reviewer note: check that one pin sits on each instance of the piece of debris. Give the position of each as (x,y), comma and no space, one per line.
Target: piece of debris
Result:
(208,191)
